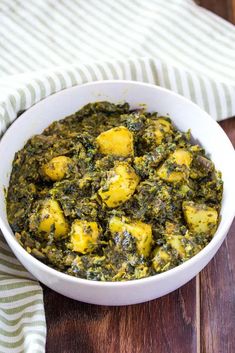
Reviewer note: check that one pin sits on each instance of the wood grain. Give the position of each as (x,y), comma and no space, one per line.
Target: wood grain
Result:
(217,283)
(156,326)
(232,11)
(218,7)
(218,300)
(223,8)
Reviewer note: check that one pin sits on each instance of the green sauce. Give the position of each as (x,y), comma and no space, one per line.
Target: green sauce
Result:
(137,200)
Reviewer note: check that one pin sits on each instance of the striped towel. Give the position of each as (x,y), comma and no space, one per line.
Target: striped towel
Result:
(47,46)
(22,318)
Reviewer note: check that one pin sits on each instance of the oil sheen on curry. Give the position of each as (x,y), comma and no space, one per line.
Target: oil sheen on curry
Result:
(113,194)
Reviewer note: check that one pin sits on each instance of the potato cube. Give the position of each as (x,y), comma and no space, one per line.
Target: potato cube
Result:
(174,239)
(57,168)
(179,158)
(161,259)
(120,185)
(184,246)
(200,217)
(177,243)
(162,127)
(84,235)
(50,217)
(142,232)
(117,141)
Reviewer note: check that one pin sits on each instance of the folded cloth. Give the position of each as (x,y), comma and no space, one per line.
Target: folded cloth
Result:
(174,44)
(22,317)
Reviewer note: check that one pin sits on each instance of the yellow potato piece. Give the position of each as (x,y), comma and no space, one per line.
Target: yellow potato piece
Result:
(57,167)
(180,157)
(120,185)
(161,259)
(117,141)
(176,243)
(200,217)
(51,215)
(184,246)
(84,235)
(172,177)
(163,127)
(174,239)
(142,232)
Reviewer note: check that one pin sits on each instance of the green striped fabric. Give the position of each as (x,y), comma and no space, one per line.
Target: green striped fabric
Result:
(47,46)
(22,318)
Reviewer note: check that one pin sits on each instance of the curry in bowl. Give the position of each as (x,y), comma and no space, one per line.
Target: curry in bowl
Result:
(113,194)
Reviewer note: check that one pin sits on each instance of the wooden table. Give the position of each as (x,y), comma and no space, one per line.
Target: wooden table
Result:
(197,318)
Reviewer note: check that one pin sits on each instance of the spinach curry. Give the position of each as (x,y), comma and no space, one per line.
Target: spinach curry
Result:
(113,194)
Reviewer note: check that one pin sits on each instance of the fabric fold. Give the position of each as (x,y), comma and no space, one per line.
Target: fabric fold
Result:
(22,316)
(22,91)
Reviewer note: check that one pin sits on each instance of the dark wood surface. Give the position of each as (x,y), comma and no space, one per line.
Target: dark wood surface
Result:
(223,8)
(152,327)
(197,318)
(219,7)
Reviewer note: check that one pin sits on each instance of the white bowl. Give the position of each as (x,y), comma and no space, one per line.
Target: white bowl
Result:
(186,115)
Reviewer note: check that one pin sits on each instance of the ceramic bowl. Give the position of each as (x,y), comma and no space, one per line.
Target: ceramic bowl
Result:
(185,115)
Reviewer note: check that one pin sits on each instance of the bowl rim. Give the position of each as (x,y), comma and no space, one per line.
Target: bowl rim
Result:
(217,238)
